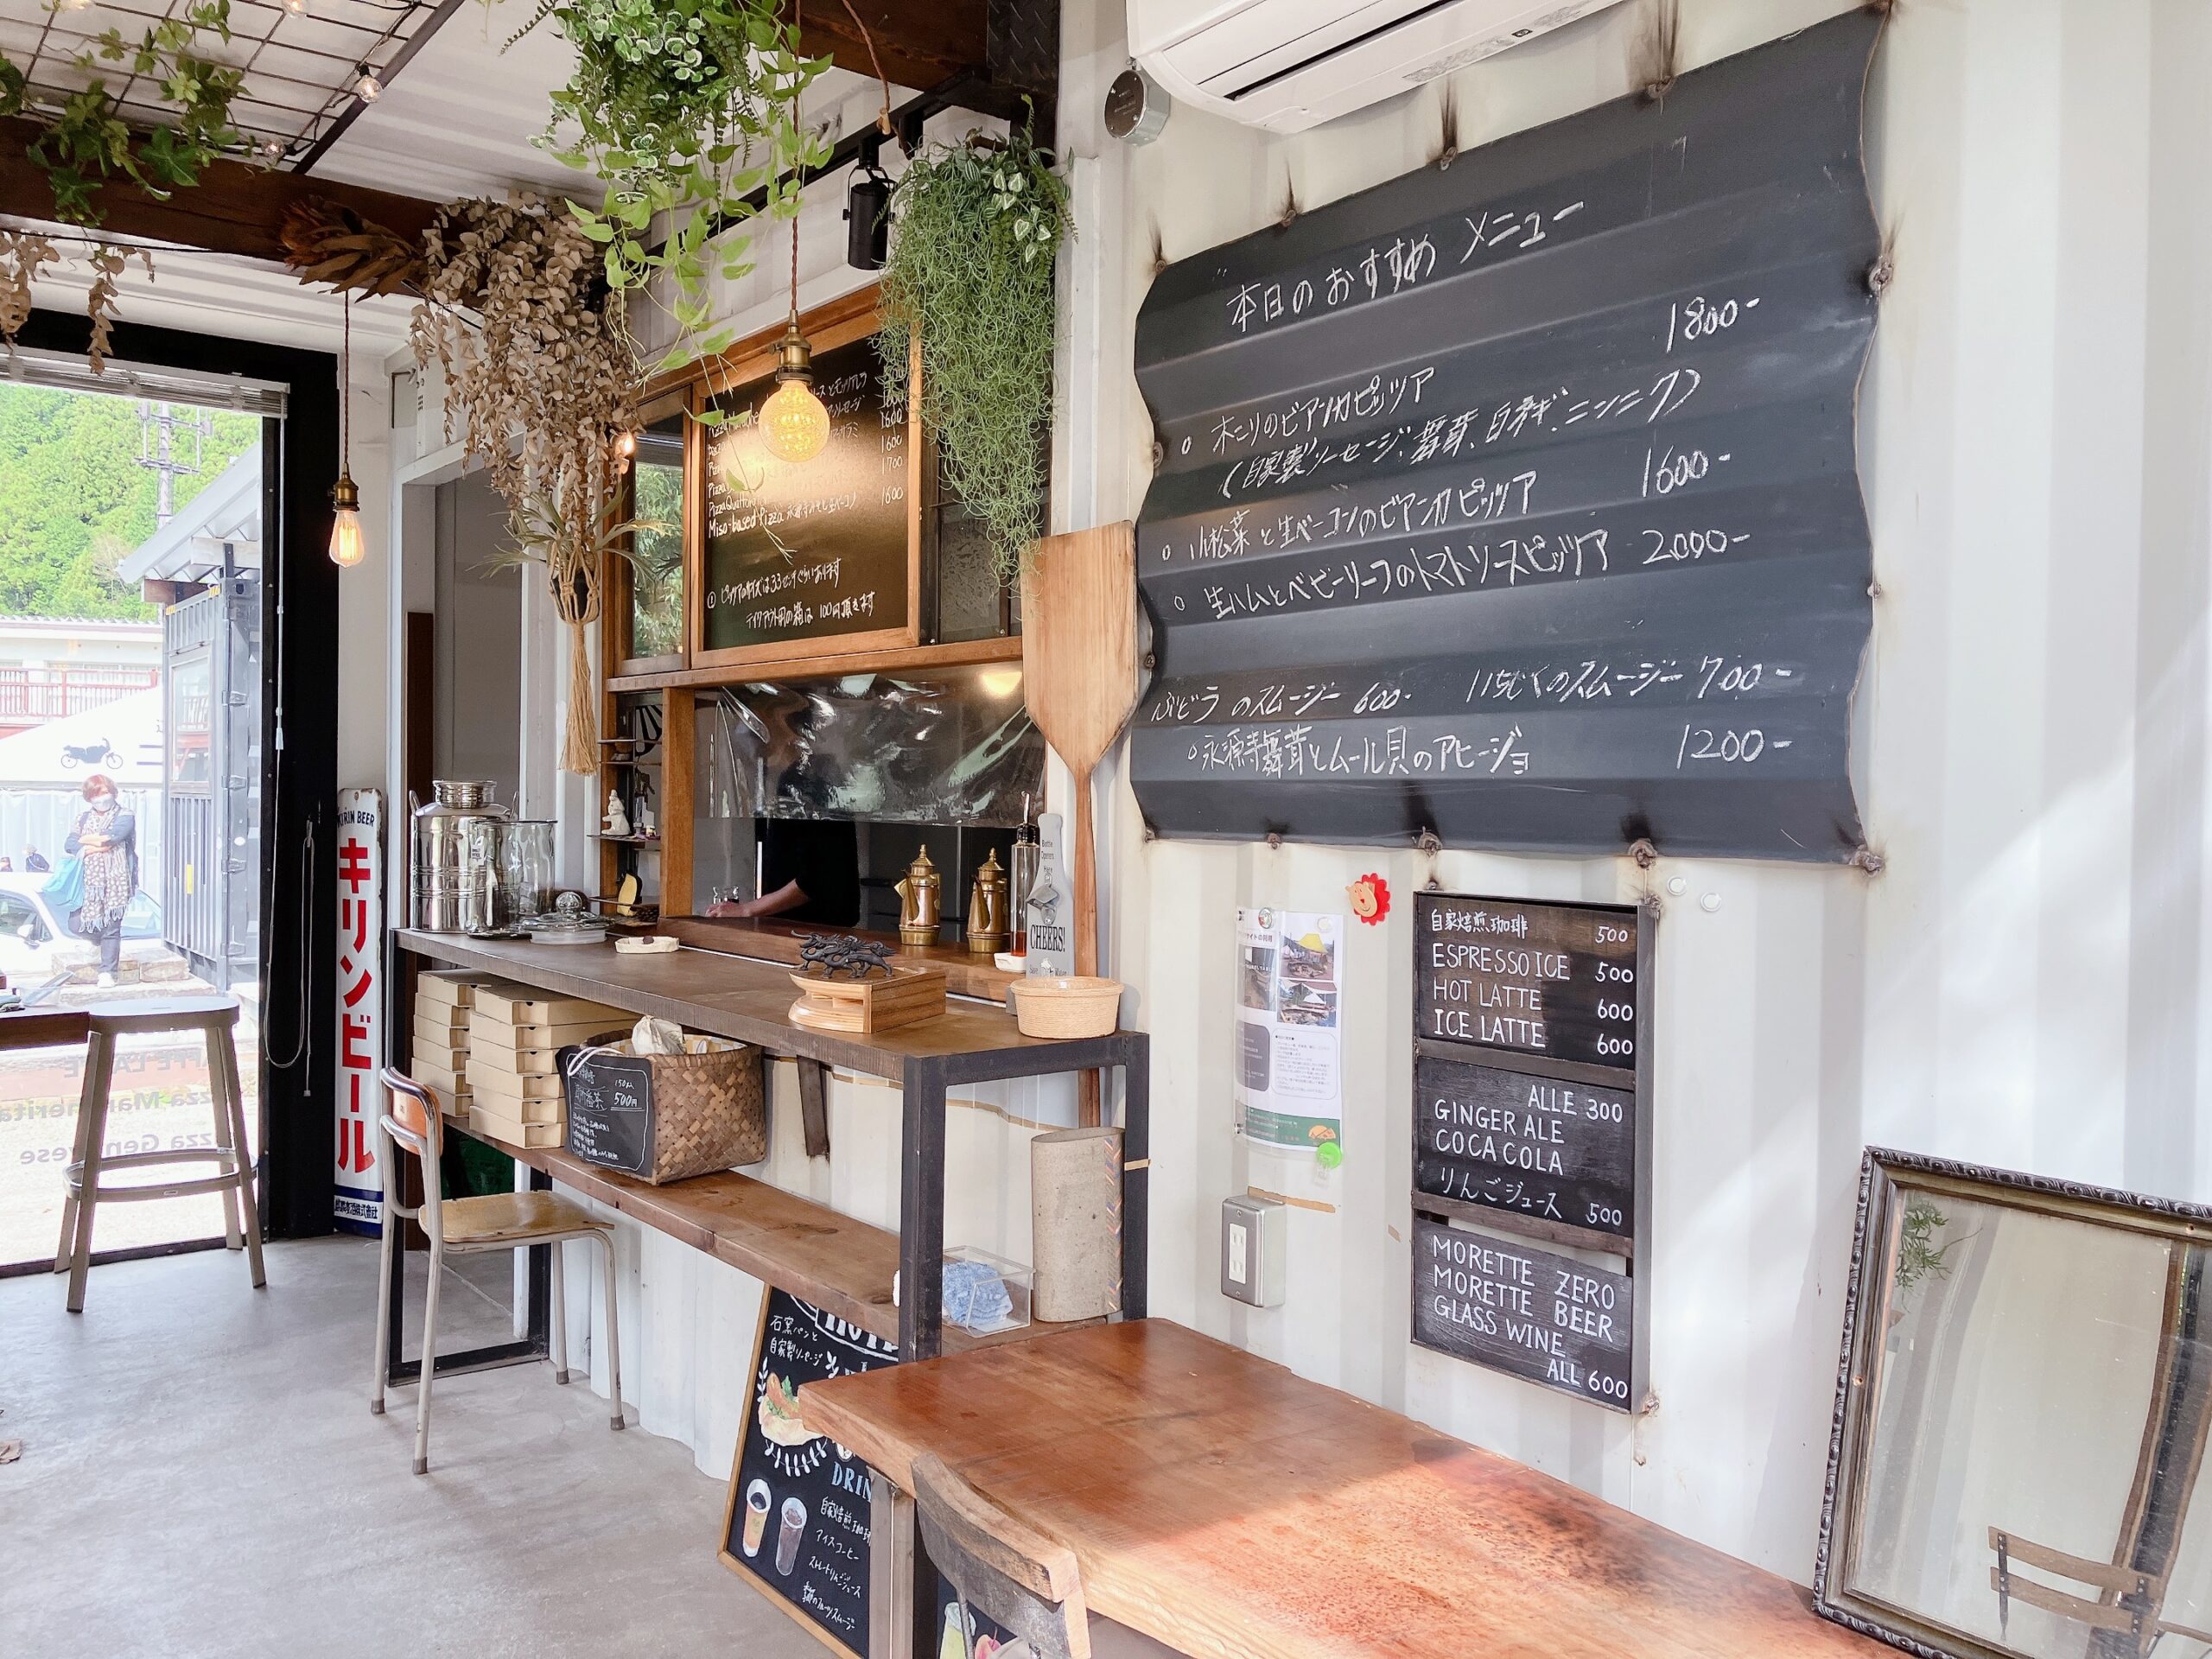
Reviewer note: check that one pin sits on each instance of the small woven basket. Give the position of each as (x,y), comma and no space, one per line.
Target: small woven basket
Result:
(706,1109)
(1066,1006)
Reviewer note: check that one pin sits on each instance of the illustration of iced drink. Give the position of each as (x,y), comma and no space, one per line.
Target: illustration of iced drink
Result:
(794,1528)
(756,1516)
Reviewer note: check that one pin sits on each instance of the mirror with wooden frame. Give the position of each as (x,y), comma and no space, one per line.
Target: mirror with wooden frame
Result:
(2017,1470)
(644,592)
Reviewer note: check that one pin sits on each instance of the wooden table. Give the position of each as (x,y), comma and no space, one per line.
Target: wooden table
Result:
(44,1028)
(1220,1504)
(731,996)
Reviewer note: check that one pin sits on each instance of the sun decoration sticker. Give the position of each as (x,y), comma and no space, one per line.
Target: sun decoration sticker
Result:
(1371,899)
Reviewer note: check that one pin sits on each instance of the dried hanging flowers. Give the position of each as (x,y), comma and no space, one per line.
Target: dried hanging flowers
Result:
(542,379)
(22,253)
(107,262)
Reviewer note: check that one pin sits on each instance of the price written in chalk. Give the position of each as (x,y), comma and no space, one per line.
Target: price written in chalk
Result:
(1554,980)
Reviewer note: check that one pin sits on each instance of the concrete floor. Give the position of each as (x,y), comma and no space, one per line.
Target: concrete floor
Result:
(202,1475)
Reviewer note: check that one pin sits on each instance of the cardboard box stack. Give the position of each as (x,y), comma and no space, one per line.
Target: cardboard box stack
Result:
(440,1047)
(514,1033)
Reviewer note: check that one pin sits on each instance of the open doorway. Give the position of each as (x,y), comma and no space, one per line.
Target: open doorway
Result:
(131,773)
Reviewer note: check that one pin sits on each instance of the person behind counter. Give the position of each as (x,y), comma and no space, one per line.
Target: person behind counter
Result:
(105,838)
(809,871)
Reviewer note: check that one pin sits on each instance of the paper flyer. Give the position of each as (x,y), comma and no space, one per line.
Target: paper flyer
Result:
(1289,1077)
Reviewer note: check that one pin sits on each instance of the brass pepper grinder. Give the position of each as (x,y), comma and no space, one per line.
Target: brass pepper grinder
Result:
(921,902)
(987,909)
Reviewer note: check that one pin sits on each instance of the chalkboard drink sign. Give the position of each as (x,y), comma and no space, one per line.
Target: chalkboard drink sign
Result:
(822,549)
(799,1518)
(1555,980)
(1559,1151)
(609,1103)
(1516,500)
(1536,1315)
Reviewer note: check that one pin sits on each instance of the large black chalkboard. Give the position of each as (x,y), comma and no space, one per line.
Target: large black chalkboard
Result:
(1546,1317)
(798,1520)
(821,549)
(1562,1151)
(1562,981)
(1516,500)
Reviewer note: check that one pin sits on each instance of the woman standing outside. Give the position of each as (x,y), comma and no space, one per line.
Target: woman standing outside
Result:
(106,838)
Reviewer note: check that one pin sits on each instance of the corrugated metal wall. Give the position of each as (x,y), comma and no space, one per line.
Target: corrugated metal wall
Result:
(2023,985)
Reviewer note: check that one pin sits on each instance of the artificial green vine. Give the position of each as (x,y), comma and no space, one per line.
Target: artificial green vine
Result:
(687,108)
(87,141)
(976,231)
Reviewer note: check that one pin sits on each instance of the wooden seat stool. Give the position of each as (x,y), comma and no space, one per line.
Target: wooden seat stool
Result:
(216,1018)
(491,1221)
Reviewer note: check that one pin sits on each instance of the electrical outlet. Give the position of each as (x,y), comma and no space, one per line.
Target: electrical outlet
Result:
(1253,1247)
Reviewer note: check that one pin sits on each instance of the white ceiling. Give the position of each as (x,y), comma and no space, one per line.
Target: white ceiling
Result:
(458,120)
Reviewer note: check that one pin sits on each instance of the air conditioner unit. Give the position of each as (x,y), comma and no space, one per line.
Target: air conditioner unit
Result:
(1288,65)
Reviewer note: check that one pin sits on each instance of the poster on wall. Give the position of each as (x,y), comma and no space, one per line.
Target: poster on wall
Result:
(1288,1063)
(357,1203)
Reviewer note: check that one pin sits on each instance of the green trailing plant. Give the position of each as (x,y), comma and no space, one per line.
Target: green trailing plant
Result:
(86,141)
(687,109)
(976,230)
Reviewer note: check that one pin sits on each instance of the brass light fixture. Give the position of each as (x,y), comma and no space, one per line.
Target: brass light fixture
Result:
(793,423)
(346,546)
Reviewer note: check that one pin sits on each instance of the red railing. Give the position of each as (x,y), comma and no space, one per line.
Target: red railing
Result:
(37,694)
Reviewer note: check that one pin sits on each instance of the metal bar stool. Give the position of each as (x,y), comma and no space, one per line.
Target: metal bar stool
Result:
(215,1018)
(491,1221)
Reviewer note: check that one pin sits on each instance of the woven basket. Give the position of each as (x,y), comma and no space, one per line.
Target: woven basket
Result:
(1071,1006)
(704,1111)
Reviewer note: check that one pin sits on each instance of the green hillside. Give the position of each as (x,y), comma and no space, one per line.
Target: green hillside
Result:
(74,499)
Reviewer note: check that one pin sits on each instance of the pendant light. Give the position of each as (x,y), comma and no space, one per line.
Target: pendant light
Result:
(345,547)
(793,423)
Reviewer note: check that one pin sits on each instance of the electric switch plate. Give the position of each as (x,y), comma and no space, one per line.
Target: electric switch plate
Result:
(1253,1248)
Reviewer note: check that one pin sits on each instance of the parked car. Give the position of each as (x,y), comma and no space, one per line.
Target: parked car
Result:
(36,944)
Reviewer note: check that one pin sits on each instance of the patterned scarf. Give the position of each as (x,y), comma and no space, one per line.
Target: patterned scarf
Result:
(107,873)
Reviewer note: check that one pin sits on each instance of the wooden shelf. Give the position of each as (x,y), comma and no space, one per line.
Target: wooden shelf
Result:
(842,1265)
(625,841)
(960,654)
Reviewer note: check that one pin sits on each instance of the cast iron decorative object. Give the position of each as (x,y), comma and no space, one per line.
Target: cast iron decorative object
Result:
(832,954)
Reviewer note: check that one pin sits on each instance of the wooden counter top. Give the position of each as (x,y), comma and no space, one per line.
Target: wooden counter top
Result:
(733,996)
(1221,1504)
(767,940)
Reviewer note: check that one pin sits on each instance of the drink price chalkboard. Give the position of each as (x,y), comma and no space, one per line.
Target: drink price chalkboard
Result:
(1554,980)
(799,1516)
(609,1108)
(1539,1316)
(1532,1116)
(823,549)
(1509,1140)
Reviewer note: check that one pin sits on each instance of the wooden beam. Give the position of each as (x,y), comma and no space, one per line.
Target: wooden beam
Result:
(919,42)
(235,208)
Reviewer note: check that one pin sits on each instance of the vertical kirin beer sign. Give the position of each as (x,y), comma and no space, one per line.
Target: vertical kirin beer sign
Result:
(357,1204)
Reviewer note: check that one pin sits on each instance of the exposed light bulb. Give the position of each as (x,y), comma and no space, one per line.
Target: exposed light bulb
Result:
(368,89)
(346,546)
(298,7)
(627,445)
(793,423)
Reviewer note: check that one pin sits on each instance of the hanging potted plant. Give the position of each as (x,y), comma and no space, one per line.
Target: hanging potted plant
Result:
(976,229)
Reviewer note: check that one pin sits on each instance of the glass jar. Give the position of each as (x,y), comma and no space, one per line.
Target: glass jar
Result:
(525,869)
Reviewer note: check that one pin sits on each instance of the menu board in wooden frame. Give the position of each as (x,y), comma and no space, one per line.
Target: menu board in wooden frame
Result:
(791,561)
(1532,1118)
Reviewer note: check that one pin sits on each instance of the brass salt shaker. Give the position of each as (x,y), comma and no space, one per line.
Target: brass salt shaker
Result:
(987,909)
(921,903)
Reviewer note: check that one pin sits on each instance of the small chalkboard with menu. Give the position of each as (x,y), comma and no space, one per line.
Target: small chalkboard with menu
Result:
(805,556)
(799,1514)
(1532,1118)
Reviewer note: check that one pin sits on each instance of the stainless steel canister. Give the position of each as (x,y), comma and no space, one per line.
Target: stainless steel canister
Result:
(452,869)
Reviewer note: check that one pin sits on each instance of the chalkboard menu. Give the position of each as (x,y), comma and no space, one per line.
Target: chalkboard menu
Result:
(1516,500)
(609,1109)
(1537,979)
(1539,1316)
(798,1519)
(1532,1118)
(819,550)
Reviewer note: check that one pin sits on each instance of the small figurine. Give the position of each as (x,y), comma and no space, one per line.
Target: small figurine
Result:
(647,825)
(616,822)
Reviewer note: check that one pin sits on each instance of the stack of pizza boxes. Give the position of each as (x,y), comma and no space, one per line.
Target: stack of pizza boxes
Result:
(515,1034)
(440,1047)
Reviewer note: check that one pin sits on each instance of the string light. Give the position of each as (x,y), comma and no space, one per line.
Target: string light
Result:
(368,89)
(346,546)
(793,423)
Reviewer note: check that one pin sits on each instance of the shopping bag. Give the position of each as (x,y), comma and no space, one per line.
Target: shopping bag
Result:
(65,888)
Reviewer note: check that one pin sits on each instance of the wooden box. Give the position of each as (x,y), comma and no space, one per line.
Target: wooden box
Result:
(908,997)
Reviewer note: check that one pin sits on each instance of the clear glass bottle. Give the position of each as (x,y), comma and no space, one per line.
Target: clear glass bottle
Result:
(525,869)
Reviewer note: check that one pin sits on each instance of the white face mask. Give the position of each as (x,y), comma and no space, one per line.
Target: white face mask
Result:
(101,802)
